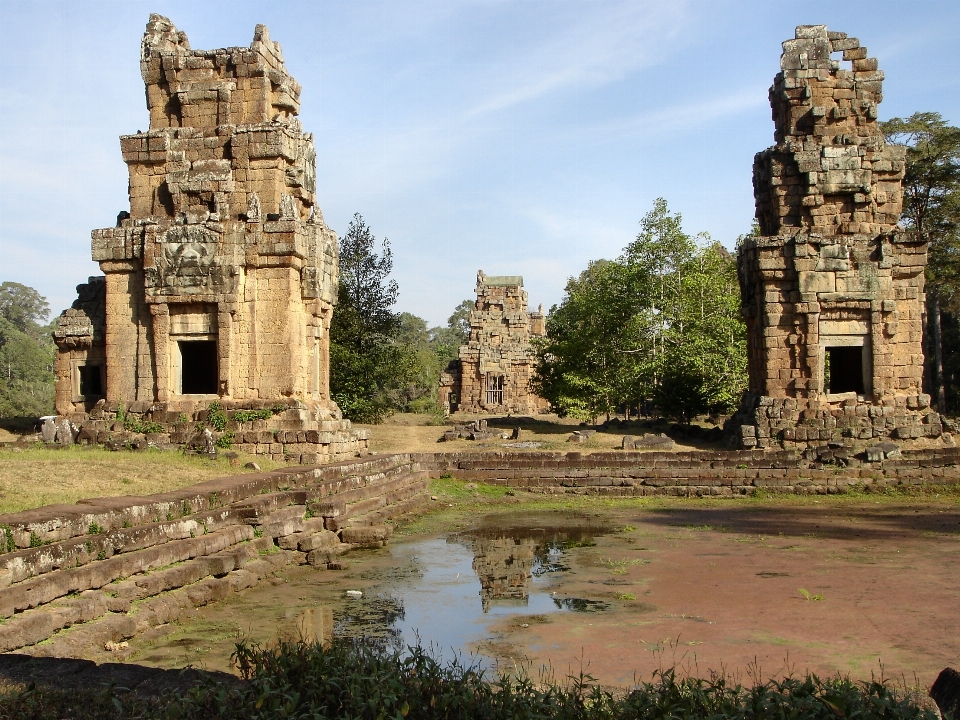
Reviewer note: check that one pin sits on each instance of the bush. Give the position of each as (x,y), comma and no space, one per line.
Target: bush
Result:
(360,679)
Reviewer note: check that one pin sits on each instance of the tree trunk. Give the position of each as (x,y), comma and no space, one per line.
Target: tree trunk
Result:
(941,393)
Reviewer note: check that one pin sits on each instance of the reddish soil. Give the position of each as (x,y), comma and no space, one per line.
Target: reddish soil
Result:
(721,587)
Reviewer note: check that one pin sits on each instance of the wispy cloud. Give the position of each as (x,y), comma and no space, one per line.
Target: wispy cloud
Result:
(687,116)
(609,44)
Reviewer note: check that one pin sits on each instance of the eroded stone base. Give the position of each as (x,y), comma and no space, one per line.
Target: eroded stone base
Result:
(767,422)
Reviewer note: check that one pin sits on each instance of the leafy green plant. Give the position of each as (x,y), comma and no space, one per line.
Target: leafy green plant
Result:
(809,596)
(35,540)
(182,418)
(95,529)
(242,416)
(366,679)
(216,417)
(225,441)
(8,540)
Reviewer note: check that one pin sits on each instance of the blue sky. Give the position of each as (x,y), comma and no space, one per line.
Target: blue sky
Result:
(514,137)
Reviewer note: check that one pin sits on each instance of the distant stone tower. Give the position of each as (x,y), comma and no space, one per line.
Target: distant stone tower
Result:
(832,290)
(221,279)
(493,372)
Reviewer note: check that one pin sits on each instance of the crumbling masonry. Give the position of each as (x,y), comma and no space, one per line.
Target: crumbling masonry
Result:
(832,290)
(221,279)
(492,374)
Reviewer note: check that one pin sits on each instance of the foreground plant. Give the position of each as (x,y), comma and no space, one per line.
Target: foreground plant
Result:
(357,679)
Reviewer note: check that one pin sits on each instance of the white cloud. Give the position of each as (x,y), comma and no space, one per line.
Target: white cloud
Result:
(609,44)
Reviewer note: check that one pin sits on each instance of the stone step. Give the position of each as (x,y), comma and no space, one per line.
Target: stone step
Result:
(390,493)
(378,517)
(50,586)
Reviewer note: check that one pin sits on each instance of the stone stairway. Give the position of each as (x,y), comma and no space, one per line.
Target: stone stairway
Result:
(104,569)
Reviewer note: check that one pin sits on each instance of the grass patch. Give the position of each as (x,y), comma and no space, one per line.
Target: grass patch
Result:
(363,680)
(35,476)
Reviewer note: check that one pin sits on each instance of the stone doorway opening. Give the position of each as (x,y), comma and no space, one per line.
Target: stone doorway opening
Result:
(91,381)
(843,369)
(199,371)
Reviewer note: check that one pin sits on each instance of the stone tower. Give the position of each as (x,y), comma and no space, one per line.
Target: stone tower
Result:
(221,279)
(493,371)
(832,289)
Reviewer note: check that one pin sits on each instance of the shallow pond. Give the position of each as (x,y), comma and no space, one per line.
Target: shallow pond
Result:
(443,592)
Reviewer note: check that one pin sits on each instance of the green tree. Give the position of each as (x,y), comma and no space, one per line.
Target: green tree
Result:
(660,323)
(446,340)
(931,208)
(420,392)
(26,352)
(369,365)
(23,306)
(586,364)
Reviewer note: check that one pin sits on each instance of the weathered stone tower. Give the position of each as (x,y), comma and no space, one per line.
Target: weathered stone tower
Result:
(221,279)
(832,289)
(494,369)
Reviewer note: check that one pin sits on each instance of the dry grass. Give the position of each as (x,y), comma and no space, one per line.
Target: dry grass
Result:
(34,476)
(408,432)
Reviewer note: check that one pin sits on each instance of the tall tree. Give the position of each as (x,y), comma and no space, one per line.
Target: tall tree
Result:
(26,352)
(23,306)
(446,340)
(660,323)
(369,365)
(931,208)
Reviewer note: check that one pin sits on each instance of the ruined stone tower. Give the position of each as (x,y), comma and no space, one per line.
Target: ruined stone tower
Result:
(832,290)
(220,281)
(493,371)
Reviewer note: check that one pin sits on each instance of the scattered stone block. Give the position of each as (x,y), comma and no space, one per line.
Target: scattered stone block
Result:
(946,692)
(654,441)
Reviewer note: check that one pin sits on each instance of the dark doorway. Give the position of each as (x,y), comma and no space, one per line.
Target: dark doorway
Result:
(91,381)
(843,370)
(198,367)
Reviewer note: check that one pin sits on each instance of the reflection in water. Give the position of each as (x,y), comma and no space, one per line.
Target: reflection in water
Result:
(506,559)
(580,604)
(432,597)
(315,625)
(377,619)
(504,567)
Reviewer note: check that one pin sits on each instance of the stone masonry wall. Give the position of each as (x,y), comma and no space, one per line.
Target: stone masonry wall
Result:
(220,280)
(499,347)
(832,289)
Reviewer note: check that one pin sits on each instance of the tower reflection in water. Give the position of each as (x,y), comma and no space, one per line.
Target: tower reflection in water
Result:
(507,560)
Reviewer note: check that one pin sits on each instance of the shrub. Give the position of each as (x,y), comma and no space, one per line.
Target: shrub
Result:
(365,679)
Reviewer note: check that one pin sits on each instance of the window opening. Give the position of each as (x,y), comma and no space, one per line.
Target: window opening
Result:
(494,389)
(843,369)
(91,381)
(198,367)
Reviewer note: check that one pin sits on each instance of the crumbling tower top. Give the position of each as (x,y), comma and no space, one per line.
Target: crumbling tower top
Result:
(830,171)
(207,88)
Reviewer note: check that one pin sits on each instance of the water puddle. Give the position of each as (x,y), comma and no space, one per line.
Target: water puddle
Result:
(455,587)
(443,592)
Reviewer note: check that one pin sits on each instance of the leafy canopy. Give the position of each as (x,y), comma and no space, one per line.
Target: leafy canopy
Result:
(659,325)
